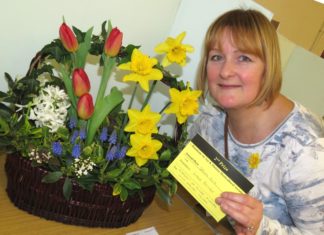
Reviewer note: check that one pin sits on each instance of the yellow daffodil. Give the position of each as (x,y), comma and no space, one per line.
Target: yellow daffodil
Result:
(142,67)
(143,148)
(142,122)
(174,49)
(184,103)
(254,160)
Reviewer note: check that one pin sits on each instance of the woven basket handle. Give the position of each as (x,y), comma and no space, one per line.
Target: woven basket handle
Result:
(35,62)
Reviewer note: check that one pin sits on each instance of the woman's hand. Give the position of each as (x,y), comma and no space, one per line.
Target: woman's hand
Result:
(244,209)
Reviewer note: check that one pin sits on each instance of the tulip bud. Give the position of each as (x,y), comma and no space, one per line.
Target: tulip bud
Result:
(85,106)
(113,42)
(68,38)
(80,82)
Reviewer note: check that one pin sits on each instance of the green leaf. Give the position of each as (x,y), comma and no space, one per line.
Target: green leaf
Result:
(117,189)
(103,30)
(87,151)
(68,86)
(109,64)
(165,173)
(129,172)
(123,194)
(131,184)
(109,27)
(115,173)
(78,33)
(165,155)
(54,164)
(3,95)
(67,188)
(163,195)
(99,152)
(82,52)
(87,182)
(9,80)
(174,187)
(56,51)
(36,132)
(4,127)
(5,111)
(63,133)
(102,109)
(144,171)
(52,177)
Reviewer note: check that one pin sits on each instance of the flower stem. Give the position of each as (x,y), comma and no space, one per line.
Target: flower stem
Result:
(147,98)
(167,105)
(74,59)
(133,96)
(125,119)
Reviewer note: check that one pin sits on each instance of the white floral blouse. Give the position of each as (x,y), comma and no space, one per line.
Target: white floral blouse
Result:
(286,168)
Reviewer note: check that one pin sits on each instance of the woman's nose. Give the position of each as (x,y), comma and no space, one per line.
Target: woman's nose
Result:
(227,69)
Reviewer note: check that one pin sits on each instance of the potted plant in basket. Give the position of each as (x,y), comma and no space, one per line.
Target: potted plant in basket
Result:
(84,160)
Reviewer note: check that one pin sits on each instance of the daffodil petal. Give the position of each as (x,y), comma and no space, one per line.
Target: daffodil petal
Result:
(130,77)
(181,119)
(157,145)
(156,74)
(125,66)
(140,161)
(144,84)
(180,37)
(161,48)
(131,152)
(188,48)
(171,109)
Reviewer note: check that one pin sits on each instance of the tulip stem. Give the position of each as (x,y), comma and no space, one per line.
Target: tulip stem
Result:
(73,58)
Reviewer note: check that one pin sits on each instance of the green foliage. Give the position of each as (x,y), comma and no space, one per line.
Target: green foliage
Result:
(20,133)
(52,177)
(67,188)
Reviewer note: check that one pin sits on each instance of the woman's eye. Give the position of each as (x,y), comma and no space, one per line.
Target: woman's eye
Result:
(244,58)
(216,57)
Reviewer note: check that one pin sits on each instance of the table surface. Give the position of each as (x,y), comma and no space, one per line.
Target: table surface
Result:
(177,218)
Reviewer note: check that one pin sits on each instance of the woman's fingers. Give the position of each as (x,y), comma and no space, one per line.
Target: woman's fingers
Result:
(244,209)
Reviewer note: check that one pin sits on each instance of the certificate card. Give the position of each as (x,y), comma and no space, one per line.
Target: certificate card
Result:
(205,174)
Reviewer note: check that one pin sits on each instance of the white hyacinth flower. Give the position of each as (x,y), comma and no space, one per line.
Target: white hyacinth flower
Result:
(50,108)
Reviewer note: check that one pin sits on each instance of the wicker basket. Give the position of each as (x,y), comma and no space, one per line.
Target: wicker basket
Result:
(93,209)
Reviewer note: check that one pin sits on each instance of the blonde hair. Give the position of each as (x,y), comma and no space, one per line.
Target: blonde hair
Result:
(252,33)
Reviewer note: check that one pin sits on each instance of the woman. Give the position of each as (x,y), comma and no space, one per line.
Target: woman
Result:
(274,141)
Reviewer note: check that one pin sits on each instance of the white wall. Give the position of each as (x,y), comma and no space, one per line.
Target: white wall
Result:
(303,79)
(26,26)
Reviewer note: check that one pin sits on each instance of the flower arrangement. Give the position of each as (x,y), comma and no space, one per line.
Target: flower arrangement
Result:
(50,117)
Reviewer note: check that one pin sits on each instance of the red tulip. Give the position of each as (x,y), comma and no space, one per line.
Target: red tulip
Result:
(80,82)
(113,42)
(68,38)
(85,106)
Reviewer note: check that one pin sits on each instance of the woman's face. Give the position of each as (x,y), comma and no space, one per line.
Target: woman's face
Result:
(234,77)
